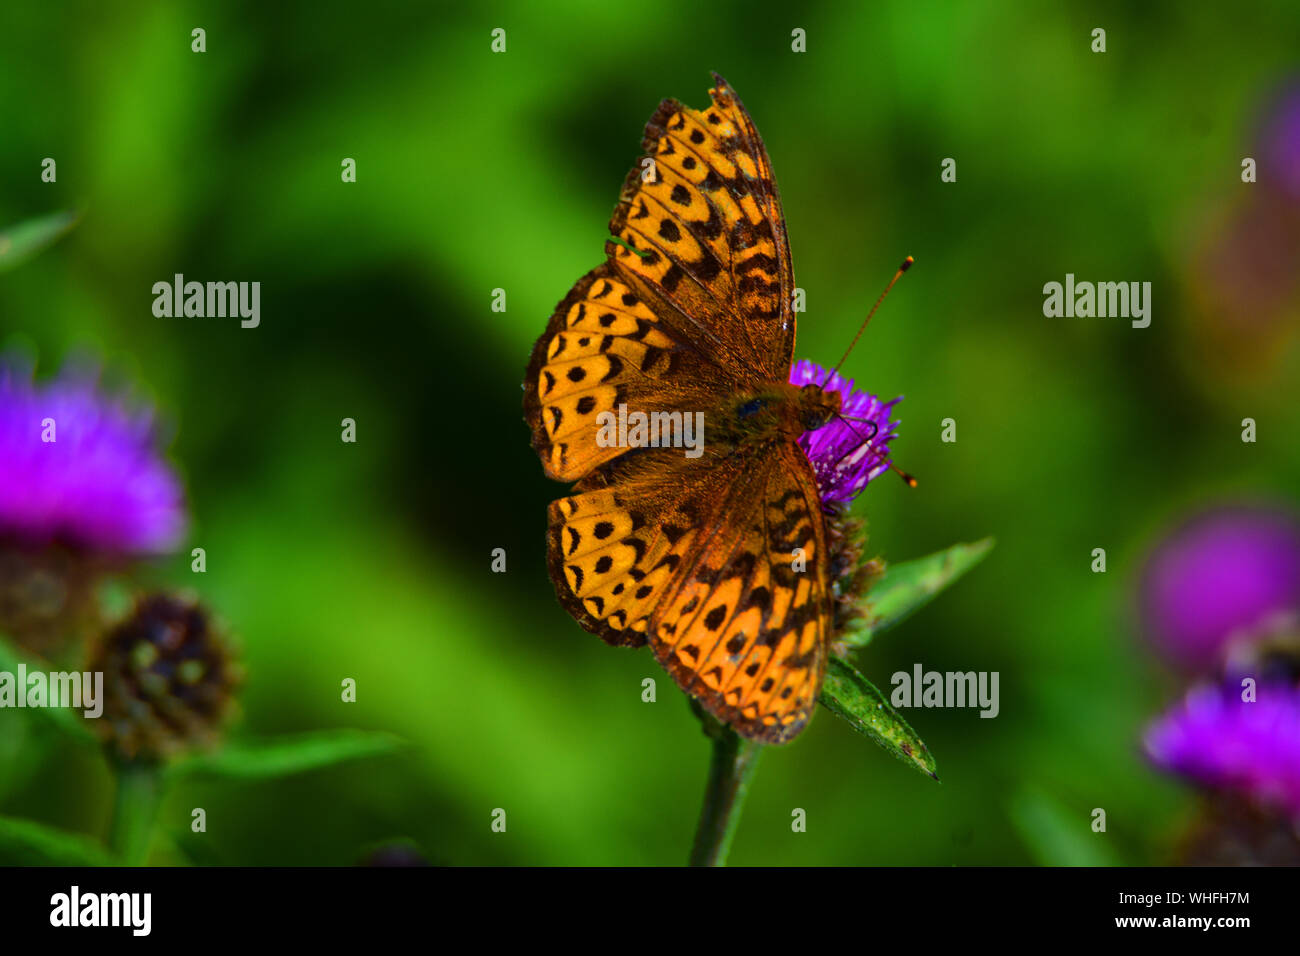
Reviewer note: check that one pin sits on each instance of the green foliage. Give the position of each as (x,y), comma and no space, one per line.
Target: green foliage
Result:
(1057,836)
(282,756)
(29,843)
(900,591)
(68,722)
(19,243)
(853,697)
(905,587)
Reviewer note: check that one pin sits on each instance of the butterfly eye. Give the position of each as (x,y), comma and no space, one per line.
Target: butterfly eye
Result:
(815,418)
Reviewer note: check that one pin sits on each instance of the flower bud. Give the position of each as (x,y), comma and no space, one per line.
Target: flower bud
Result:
(169,680)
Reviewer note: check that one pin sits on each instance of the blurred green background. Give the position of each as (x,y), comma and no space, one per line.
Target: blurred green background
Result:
(478,171)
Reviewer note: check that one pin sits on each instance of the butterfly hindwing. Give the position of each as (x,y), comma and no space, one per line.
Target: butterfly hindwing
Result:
(723,571)
(746,631)
(617,545)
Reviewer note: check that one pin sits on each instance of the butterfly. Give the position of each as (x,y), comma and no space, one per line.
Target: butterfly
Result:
(720,562)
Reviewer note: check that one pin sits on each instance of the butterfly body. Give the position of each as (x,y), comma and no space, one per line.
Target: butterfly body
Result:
(720,562)
(779,411)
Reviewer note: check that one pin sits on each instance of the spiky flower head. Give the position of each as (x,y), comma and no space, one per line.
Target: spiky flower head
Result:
(852,448)
(169,680)
(846,453)
(83,488)
(47,596)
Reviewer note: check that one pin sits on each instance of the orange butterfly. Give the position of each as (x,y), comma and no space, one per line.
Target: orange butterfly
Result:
(721,561)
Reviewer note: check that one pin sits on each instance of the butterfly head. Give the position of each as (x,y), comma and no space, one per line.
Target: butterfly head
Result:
(817,406)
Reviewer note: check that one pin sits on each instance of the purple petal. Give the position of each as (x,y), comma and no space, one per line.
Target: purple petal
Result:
(1221,742)
(846,455)
(1281,153)
(101,484)
(1222,577)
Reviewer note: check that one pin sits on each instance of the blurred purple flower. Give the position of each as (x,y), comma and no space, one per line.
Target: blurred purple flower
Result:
(845,455)
(1281,141)
(1243,285)
(101,484)
(1219,579)
(1223,743)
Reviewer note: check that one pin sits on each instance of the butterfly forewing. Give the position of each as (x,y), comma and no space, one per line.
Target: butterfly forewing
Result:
(704,225)
(612,341)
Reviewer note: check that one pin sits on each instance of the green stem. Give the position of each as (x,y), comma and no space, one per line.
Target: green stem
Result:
(139,792)
(731,768)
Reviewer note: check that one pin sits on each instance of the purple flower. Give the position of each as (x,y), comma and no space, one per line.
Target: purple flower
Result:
(850,450)
(1221,742)
(1281,153)
(100,484)
(1223,578)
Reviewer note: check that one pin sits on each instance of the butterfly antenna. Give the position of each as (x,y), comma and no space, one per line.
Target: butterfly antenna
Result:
(907,264)
(846,420)
(907,479)
(875,429)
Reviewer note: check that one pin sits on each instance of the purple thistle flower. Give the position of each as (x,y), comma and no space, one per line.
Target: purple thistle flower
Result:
(101,484)
(1224,578)
(845,455)
(1223,743)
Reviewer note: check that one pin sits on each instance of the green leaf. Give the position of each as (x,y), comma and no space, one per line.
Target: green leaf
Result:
(69,720)
(135,810)
(907,586)
(282,756)
(1057,836)
(21,242)
(28,843)
(853,697)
